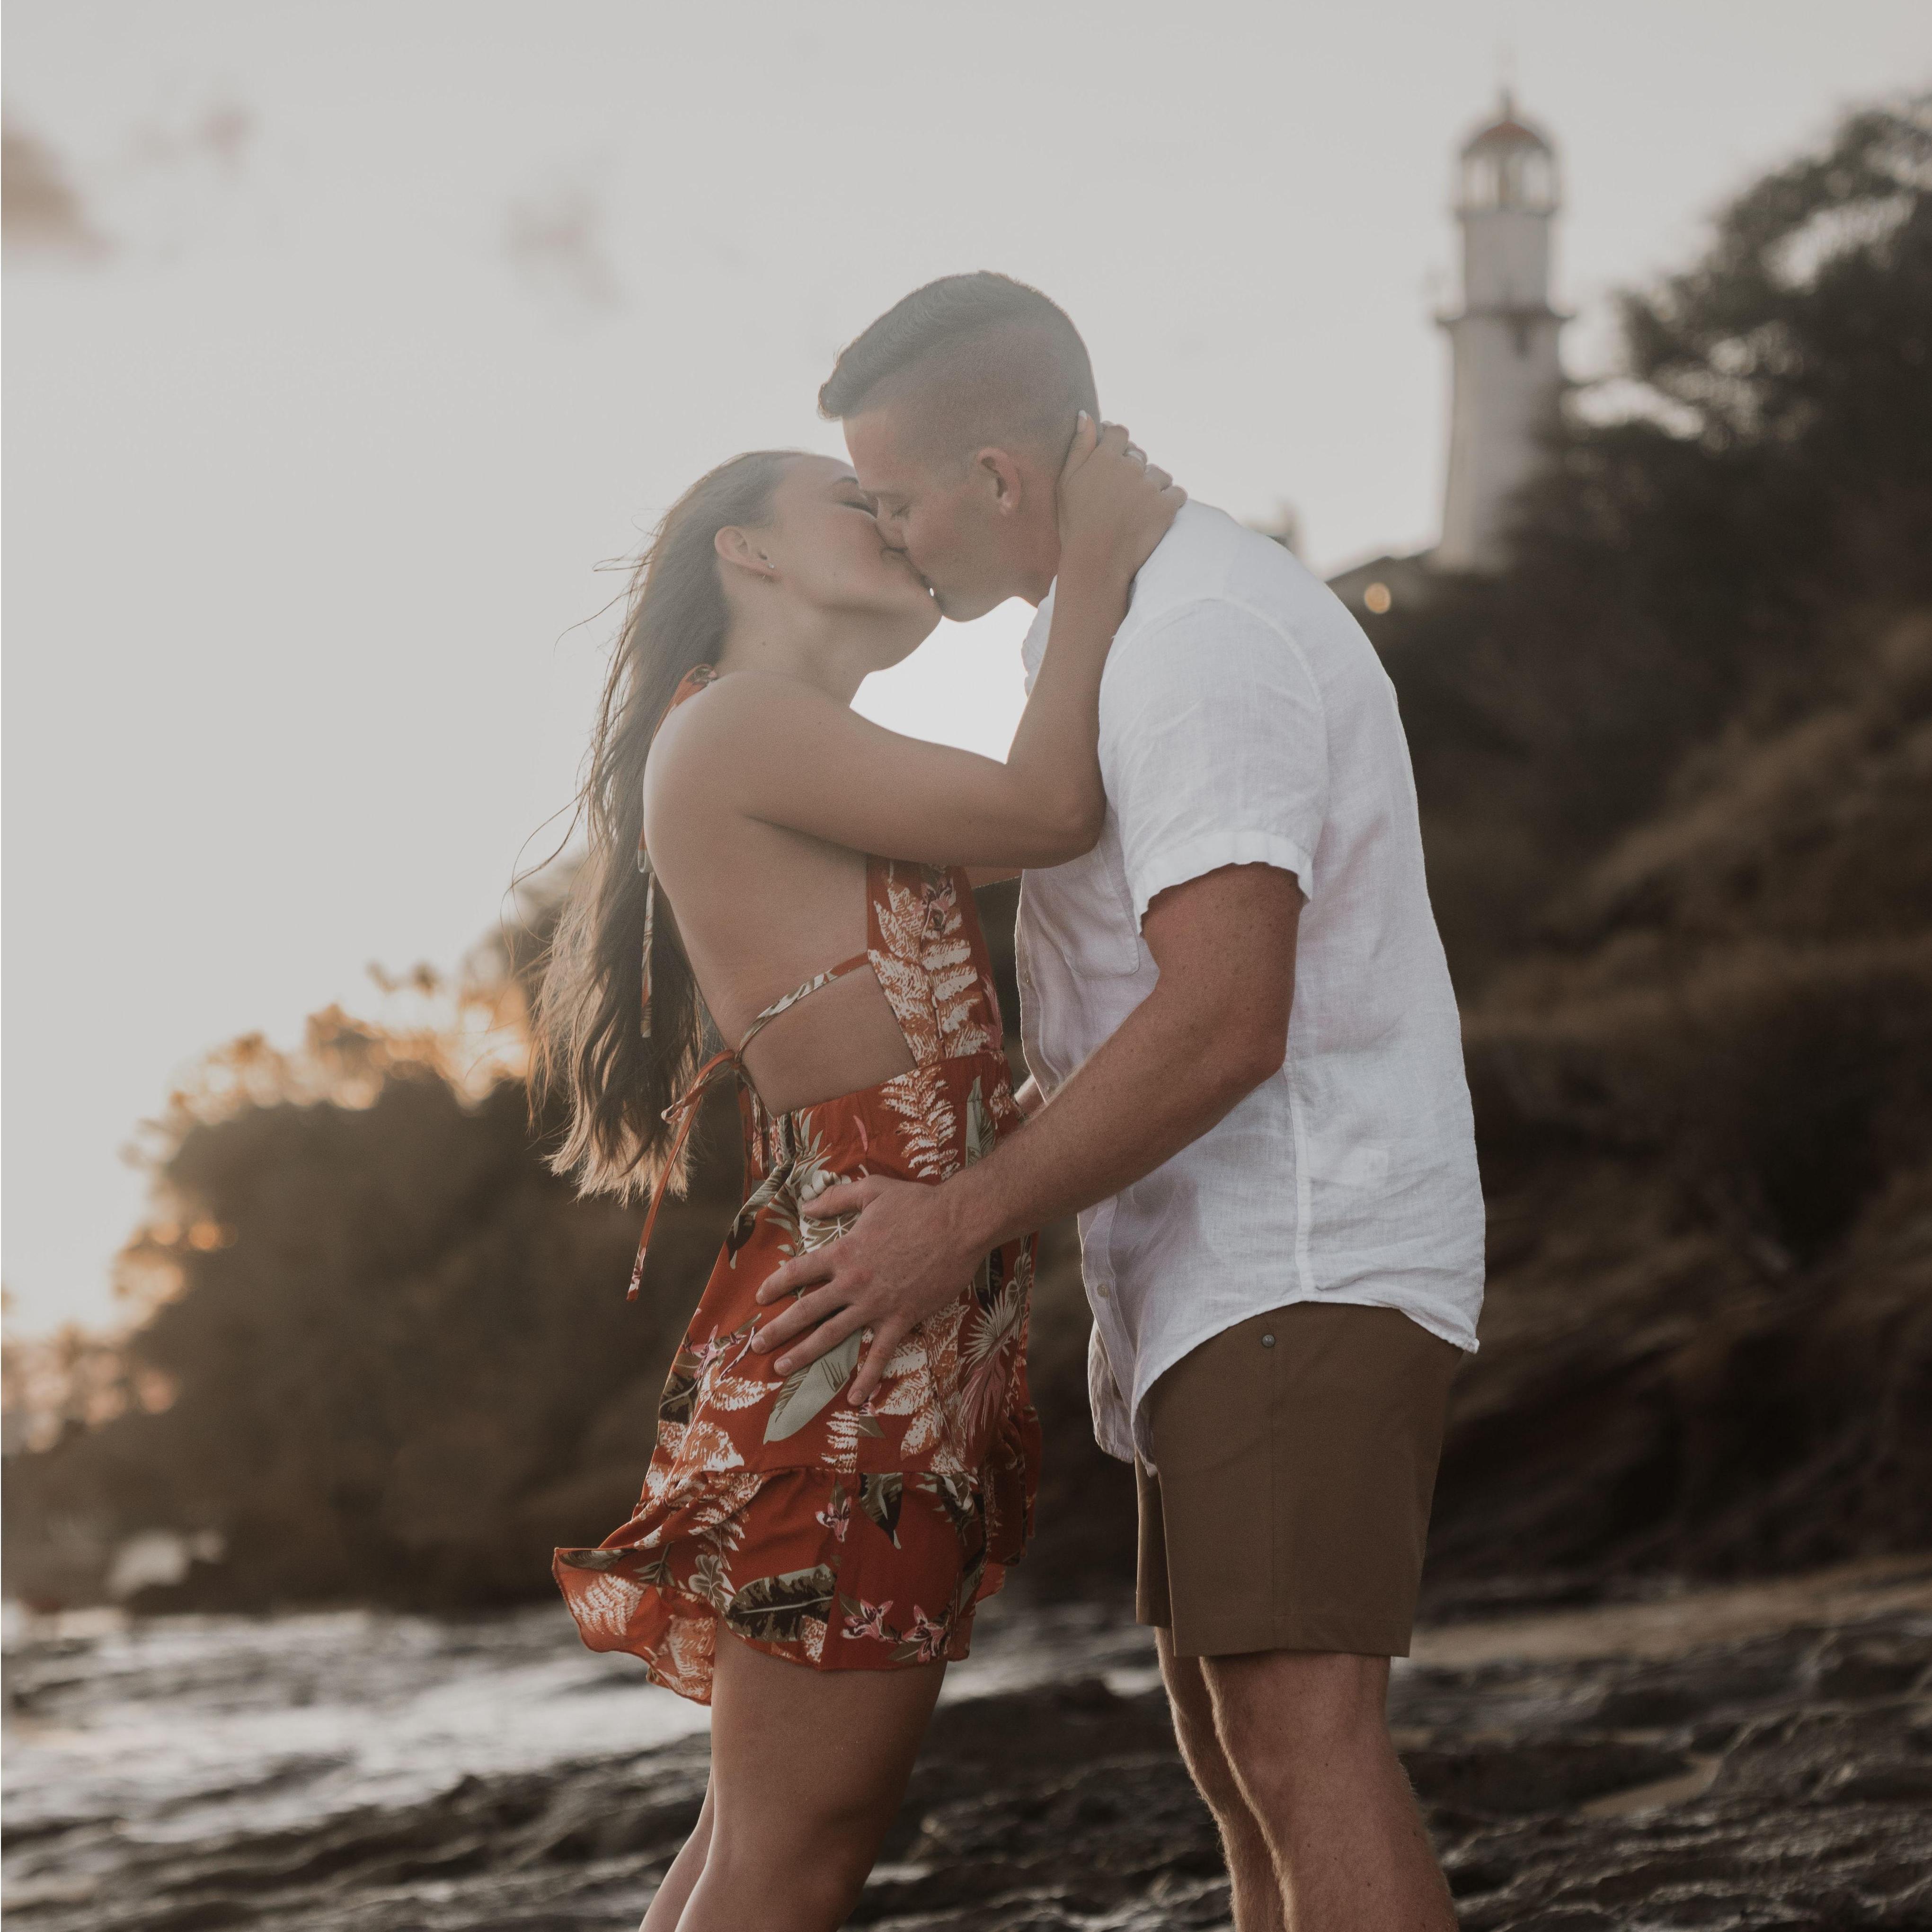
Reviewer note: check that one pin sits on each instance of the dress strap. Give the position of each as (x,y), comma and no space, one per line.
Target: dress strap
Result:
(798,993)
(680,1116)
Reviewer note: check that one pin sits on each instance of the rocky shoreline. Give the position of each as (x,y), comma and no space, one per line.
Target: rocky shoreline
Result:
(1757,1757)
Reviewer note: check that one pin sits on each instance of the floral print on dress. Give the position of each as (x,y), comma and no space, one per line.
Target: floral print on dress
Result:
(771,1504)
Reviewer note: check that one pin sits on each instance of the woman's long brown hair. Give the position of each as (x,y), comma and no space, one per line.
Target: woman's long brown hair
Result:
(588,1041)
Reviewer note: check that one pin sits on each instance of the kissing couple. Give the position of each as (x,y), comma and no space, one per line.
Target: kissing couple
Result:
(1245,1078)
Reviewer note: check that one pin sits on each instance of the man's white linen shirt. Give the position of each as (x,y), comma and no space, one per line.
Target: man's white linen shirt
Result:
(1245,720)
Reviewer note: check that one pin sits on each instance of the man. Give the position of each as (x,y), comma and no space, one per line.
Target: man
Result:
(1236,1008)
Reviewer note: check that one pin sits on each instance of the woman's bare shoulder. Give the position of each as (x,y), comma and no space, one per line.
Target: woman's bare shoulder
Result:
(717,736)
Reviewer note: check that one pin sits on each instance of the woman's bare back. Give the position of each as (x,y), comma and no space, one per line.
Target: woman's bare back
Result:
(760,909)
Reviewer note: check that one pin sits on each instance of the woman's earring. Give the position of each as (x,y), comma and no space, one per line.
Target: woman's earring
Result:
(649,871)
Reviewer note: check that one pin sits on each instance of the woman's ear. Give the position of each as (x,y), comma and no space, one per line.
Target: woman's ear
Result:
(735,546)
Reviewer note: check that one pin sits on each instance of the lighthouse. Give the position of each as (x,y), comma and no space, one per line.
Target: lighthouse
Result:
(1504,371)
(1504,374)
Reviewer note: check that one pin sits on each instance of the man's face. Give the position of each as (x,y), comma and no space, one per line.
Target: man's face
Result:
(946,516)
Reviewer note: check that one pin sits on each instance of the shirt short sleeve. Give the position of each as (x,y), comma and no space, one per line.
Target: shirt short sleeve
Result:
(1214,749)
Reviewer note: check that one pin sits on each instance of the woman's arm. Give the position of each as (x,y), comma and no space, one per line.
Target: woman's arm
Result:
(797,757)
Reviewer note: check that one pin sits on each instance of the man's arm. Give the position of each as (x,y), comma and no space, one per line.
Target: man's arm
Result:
(1214,1027)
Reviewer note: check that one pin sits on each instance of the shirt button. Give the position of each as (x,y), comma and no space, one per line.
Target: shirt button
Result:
(1268,1341)
(1100,1290)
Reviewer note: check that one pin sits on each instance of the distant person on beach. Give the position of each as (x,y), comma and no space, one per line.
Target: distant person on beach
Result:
(1236,1009)
(759,852)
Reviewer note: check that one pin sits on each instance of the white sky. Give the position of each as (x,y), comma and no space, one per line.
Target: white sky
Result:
(307,474)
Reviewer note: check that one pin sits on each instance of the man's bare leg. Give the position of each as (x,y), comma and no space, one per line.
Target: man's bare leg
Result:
(1307,1736)
(1256,1900)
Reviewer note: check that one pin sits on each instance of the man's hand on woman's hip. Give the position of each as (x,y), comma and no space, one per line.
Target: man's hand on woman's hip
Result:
(904,1258)
(1214,1026)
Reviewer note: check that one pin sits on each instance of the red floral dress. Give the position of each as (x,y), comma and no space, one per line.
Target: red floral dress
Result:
(837,1537)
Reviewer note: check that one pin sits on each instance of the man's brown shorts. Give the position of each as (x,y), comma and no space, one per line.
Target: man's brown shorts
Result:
(1296,1455)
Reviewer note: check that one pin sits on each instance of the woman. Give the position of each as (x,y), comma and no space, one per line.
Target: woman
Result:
(808,1565)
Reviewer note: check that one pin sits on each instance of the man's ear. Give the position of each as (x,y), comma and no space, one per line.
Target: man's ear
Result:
(999,472)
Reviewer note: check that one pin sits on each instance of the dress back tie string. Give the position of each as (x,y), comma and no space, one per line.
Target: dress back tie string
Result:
(682,1114)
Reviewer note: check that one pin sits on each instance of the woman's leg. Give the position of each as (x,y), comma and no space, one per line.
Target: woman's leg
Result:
(667,1904)
(807,1768)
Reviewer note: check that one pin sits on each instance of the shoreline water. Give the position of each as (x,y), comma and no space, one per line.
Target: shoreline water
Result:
(264,1722)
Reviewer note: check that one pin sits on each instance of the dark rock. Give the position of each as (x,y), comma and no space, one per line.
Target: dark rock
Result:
(1521,1779)
(1855,1667)
(1066,1807)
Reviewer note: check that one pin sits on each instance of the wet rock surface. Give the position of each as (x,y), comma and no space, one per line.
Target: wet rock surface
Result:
(1782,1778)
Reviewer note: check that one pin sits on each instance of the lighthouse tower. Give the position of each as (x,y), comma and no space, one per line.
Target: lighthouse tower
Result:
(1505,372)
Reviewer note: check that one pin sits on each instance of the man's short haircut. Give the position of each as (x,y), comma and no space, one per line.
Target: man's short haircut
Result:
(982,360)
